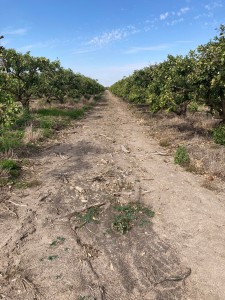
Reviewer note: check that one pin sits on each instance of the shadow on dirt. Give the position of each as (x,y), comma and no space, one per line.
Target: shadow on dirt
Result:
(138,263)
(76,154)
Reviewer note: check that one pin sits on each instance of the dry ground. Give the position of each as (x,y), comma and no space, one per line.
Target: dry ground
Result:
(108,159)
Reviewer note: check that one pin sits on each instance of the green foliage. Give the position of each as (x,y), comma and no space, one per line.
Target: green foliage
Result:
(23,77)
(58,241)
(209,74)
(10,139)
(219,135)
(8,109)
(22,184)
(193,107)
(56,112)
(22,120)
(172,85)
(20,73)
(48,120)
(88,216)
(11,166)
(128,214)
(181,156)
(52,257)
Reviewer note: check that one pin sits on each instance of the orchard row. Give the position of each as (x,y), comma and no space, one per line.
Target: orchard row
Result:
(181,81)
(24,77)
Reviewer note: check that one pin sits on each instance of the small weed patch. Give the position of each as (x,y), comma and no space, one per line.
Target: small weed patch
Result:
(58,241)
(52,257)
(128,215)
(24,119)
(219,135)
(192,107)
(11,167)
(90,215)
(181,156)
(56,112)
(10,139)
(9,164)
(27,184)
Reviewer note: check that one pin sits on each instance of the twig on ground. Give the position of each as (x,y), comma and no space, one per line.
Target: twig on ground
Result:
(7,209)
(16,204)
(44,197)
(160,153)
(31,285)
(175,278)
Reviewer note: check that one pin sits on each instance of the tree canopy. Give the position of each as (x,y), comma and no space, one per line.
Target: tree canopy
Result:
(179,80)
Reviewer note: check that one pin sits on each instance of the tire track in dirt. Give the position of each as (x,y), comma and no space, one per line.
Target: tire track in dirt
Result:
(107,158)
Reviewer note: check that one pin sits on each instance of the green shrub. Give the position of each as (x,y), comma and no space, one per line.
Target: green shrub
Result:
(193,107)
(219,135)
(181,156)
(11,166)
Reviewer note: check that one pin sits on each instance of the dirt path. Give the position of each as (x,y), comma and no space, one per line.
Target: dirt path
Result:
(57,240)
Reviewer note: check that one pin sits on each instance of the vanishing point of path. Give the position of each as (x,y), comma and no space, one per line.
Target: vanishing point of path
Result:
(108,159)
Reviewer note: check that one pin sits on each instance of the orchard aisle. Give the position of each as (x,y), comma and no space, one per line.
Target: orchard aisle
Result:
(62,240)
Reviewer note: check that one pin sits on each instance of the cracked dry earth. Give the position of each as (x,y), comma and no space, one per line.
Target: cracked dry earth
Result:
(103,160)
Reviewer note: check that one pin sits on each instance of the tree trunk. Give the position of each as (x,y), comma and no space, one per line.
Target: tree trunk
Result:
(25,102)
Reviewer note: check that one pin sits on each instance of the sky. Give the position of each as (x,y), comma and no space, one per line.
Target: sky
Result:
(107,40)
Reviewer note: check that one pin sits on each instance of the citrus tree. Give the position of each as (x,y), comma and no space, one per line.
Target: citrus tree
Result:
(171,86)
(8,107)
(20,75)
(210,73)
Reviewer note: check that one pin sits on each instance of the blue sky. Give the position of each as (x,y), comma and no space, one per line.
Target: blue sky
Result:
(107,40)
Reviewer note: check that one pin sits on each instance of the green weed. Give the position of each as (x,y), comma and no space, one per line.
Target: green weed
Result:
(12,167)
(192,107)
(46,123)
(128,215)
(10,139)
(181,156)
(26,184)
(70,113)
(90,215)
(59,240)
(219,135)
(9,164)
(52,257)
(23,120)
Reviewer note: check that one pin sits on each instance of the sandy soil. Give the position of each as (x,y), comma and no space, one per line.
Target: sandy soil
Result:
(107,159)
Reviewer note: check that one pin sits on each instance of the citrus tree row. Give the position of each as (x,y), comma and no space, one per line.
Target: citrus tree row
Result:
(23,77)
(172,85)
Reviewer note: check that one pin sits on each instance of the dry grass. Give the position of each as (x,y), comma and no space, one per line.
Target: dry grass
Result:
(194,132)
(36,104)
(31,135)
(8,154)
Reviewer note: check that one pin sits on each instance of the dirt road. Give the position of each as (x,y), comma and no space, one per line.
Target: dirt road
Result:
(59,240)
